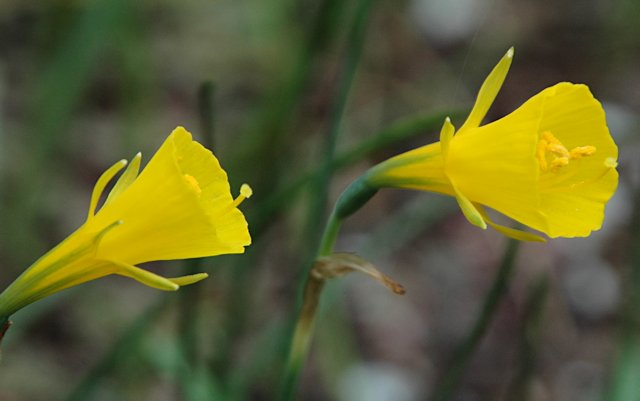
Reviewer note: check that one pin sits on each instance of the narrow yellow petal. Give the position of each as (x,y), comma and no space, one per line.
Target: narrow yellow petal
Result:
(145,277)
(446,134)
(469,211)
(488,92)
(126,179)
(508,231)
(78,246)
(190,279)
(101,184)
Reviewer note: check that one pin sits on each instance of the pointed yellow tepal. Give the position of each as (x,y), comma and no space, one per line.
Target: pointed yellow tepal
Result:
(550,164)
(488,92)
(180,206)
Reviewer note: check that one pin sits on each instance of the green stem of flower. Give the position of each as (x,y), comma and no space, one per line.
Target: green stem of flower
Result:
(624,377)
(303,332)
(120,351)
(189,298)
(352,199)
(463,354)
(349,202)
(330,235)
(529,340)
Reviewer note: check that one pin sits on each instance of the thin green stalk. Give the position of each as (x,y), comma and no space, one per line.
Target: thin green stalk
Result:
(60,86)
(311,288)
(302,334)
(123,348)
(330,235)
(189,296)
(463,354)
(271,136)
(271,133)
(188,320)
(529,339)
(237,306)
(352,199)
(624,384)
(355,44)
(267,210)
(207,113)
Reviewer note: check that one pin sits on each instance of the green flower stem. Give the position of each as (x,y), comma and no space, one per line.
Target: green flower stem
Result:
(330,235)
(303,331)
(312,288)
(352,199)
(349,202)
(463,354)
(354,46)
(302,336)
(189,297)
(120,351)
(529,340)
(624,384)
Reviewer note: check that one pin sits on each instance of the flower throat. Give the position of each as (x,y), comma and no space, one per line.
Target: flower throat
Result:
(553,155)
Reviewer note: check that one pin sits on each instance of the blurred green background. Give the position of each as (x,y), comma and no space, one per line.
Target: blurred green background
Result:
(86,83)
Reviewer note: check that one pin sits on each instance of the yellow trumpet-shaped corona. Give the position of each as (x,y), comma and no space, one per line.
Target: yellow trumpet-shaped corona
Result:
(178,207)
(550,164)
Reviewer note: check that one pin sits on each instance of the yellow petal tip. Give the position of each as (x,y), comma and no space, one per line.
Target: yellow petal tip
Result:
(190,279)
(510,52)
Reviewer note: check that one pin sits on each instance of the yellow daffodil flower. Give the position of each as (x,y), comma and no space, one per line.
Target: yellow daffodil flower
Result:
(550,164)
(180,206)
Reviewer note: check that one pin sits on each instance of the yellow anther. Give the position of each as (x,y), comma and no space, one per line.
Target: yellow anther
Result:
(581,151)
(558,149)
(193,183)
(550,138)
(245,192)
(559,162)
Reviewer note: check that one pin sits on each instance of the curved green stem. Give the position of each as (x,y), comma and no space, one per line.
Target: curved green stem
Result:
(466,350)
(330,235)
(352,199)
(303,331)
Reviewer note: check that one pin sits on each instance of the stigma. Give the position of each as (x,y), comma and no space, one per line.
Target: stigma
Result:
(245,193)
